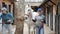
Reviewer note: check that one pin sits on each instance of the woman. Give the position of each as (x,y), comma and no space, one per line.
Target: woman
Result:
(7,20)
(39,22)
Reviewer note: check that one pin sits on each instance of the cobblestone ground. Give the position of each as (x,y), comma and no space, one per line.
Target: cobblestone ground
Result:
(13,29)
(46,29)
(26,30)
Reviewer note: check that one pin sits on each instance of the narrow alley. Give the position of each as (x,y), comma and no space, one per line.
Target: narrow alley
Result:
(24,18)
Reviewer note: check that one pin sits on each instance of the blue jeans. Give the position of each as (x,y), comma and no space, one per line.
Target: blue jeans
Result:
(7,26)
(39,30)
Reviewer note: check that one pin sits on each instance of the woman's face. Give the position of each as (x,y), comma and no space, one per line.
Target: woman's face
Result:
(40,13)
(4,11)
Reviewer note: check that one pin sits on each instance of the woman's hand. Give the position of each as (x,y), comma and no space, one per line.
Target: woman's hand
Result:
(9,21)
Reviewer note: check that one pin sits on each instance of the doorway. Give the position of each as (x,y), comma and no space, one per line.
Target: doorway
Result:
(57,24)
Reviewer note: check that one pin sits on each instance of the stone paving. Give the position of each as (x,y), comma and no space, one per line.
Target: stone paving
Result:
(46,29)
(13,30)
(26,30)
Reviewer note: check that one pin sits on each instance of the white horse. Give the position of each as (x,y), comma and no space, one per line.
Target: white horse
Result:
(28,20)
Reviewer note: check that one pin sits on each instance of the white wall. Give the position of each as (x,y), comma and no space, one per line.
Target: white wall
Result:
(49,20)
(54,13)
(53,22)
(34,4)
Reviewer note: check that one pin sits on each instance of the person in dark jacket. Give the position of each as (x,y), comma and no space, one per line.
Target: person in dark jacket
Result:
(7,20)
